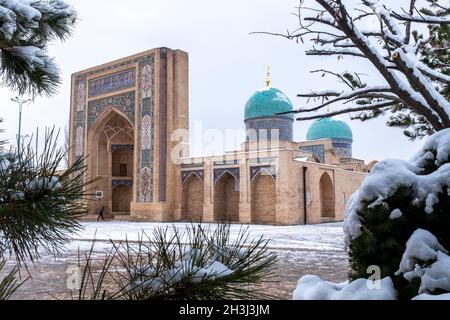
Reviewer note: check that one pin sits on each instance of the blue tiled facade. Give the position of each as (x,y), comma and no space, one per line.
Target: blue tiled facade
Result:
(316,149)
(262,128)
(342,147)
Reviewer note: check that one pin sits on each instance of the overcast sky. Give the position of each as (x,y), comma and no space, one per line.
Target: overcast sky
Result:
(227,64)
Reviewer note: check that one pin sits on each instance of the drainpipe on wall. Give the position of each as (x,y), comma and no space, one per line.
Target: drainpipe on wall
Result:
(305,219)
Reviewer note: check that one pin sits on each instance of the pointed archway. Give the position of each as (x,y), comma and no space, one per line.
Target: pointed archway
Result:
(226,198)
(327,209)
(192,199)
(263,198)
(110,145)
(121,199)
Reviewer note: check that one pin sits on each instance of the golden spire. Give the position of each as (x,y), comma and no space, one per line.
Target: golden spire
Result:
(268,76)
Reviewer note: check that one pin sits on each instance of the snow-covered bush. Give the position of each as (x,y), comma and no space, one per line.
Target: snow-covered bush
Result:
(399,220)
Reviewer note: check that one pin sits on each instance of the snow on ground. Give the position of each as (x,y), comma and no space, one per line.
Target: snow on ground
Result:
(329,237)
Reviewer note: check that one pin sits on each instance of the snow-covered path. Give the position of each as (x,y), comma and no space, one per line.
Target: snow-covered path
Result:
(321,237)
(310,249)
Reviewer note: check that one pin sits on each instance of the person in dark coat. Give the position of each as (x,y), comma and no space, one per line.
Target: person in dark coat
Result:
(100,214)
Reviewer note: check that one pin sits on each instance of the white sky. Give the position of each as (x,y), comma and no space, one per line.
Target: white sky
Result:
(226,64)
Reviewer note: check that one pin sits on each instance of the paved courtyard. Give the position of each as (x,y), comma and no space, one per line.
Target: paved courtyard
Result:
(311,249)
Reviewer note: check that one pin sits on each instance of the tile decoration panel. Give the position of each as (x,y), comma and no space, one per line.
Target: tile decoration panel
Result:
(81,95)
(316,149)
(113,82)
(265,170)
(220,171)
(114,147)
(78,127)
(125,182)
(146,135)
(123,102)
(187,173)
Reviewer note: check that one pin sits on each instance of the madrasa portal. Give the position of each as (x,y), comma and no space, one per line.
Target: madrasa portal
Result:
(122,118)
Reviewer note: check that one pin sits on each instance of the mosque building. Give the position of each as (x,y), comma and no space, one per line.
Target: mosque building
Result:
(123,117)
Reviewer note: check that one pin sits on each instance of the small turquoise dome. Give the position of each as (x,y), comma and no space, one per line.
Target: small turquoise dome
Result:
(268,101)
(329,128)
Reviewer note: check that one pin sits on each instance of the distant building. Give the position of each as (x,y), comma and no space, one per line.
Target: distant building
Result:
(123,114)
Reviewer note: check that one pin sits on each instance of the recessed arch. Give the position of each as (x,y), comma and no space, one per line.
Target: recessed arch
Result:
(111,127)
(121,198)
(327,201)
(263,198)
(192,198)
(226,198)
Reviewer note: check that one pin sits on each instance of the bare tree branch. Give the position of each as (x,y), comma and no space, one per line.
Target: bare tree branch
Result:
(348,110)
(421,19)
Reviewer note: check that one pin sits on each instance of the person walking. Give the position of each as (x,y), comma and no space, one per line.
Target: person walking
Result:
(100,214)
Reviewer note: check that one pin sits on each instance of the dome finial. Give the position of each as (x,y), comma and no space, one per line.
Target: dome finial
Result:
(268,76)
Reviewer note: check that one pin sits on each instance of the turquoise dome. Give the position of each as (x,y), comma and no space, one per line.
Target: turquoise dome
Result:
(329,128)
(268,101)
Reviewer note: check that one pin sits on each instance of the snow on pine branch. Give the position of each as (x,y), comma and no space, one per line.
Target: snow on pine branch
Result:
(26,29)
(36,59)
(11,11)
(25,16)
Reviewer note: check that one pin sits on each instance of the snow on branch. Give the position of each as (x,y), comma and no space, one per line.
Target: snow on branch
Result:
(391,45)
(422,18)
(370,92)
(367,107)
(329,52)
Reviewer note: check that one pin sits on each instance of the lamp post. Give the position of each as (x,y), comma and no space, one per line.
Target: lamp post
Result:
(20,102)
